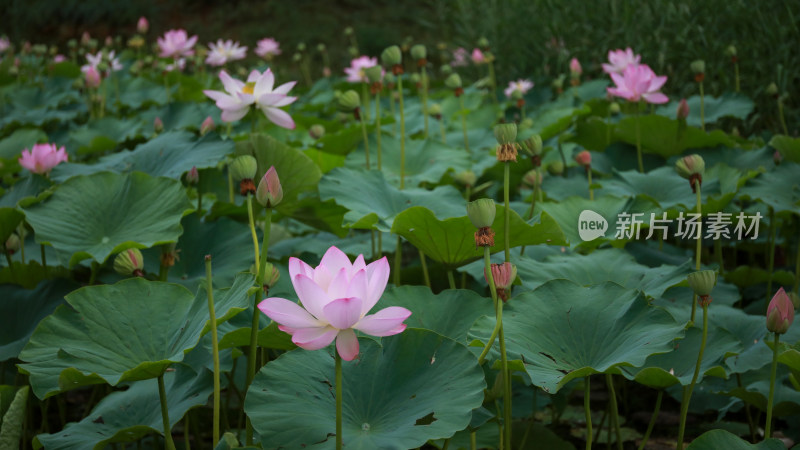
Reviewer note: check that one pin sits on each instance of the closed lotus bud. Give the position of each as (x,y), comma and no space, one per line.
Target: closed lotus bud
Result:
(453,81)
(374,73)
(780,313)
(142,25)
(532,178)
(316,131)
(505,133)
(481,212)
(269,192)
(158,125)
(556,168)
(271,276)
(129,262)
(301,47)
(435,110)
(12,244)
(348,31)
(192,177)
(467,178)
(692,168)
(207,125)
(772,89)
(698,66)
(584,159)
(391,56)
(446,69)
(92,78)
(777,158)
(243,168)
(504,275)
(483,43)
(614,108)
(297,57)
(349,101)
(683,110)
(731,50)
(418,52)
(575,68)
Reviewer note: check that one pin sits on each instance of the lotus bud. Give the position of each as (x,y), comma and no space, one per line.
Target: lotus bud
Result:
(731,51)
(301,47)
(467,178)
(683,110)
(584,159)
(243,169)
(504,275)
(575,68)
(614,108)
(780,313)
(158,125)
(192,176)
(12,244)
(271,276)
(352,51)
(142,25)
(446,69)
(321,48)
(435,110)
(348,31)
(506,134)
(532,178)
(483,43)
(92,78)
(269,192)
(419,53)
(702,282)
(85,38)
(129,262)
(777,158)
(772,89)
(699,69)
(316,131)
(556,168)
(692,168)
(481,213)
(391,58)
(350,101)
(207,125)
(525,124)
(453,81)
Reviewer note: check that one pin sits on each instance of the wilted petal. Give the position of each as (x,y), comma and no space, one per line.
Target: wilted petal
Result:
(313,297)
(343,313)
(314,338)
(347,345)
(288,313)
(385,322)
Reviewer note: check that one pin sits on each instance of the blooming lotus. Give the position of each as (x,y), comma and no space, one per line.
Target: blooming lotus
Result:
(336,297)
(42,158)
(522,86)
(267,48)
(620,59)
(355,73)
(224,51)
(95,60)
(478,57)
(639,82)
(179,64)
(258,91)
(459,57)
(175,44)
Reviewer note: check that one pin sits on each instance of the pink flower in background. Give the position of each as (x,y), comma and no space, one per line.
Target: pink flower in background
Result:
(575,68)
(336,297)
(42,158)
(620,59)
(175,44)
(459,57)
(94,61)
(355,73)
(780,312)
(179,64)
(477,56)
(522,86)
(268,48)
(142,25)
(224,51)
(639,82)
(207,125)
(258,91)
(5,44)
(92,77)
(59,58)
(683,110)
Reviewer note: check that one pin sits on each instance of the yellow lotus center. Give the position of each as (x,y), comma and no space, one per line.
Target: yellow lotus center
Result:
(248,88)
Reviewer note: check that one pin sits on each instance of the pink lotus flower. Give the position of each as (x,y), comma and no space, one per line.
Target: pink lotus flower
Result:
(584,158)
(224,51)
(683,110)
(59,58)
(95,60)
(179,64)
(459,57)
(175,44)
(639,82)
(520,85)
(780,313)
(92,77)
(257,91)
(42,158)
(620,59)
(269,192)
(5,44)
(575,68)
(355,73)
(336,297)
(477,56)
(207,125)
(142,25)
(267,48)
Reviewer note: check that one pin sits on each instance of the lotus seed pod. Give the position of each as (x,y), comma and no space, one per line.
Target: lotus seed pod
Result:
(698,66)
(243,168)
(772,89)
(316,131)
(556,168)
(614,108)
(690,165)
(731,50)
(129,262)
(453,81)
(349,101)
(505,133)
(446,69)
(435,109)
(391,56)
(467,178)
(481,212)
(374,73)
(702,282)
(418,52)
(271,275)
(12,243)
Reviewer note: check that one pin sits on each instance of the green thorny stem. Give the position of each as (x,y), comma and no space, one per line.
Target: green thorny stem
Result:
(366,139)
(162,395)
(771,261)
(214,347)
(687,392)
(378,126)
(772,372)
(639,141)
(699,241)
(781,117)
(402,134)
(463,121)
(702,109)
(612,397)
(653,418)
(424,83)
(506,222)
(338,399)
(587,388)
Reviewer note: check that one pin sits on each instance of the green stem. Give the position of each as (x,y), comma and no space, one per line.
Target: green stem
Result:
(771,260)
(44,260)
(424,81)
(736,72)
(366,139)
(797,270)
(699,241)
(378,126)
(252,353)
(653,419)
(365,96)
(507,221)
(253,233)
(22,232)
(214,347)
(463,121)
(424,264)
(473,441)
(493,86)
(772,373)
(10,265)
(199,200)
(186,443)
(718,252)
(394,114)
(506,380)
(402,134)
(639,141)
(441,128)
(230,185)
(591,191)
(262,261)
(338,400)
(687,392)
(487,267)
(749,416)
(781,117)
(586,391)
(451,279)
(93,272)
(398,261)
(612,397)
(162,395)
(702,109)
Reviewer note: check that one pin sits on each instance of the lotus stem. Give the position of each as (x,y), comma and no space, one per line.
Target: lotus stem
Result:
(771,261)
(253,234)
(702,109)
(750,422)
(473,441)
(772,373)
(451,279)
(93,272)
(22,232)
(587,388)
(653,419)
(262,261)
(687,392)
(589,176)
(365,96)
(497,304)
(366,139)
(699,241)
(507,419)
(639,141)
(781,117)
(402,134)
(162,395)
(251,363)
(378,126)
(736,75)
(493,87)
(464,121)
(214,348)
(797,270)
(398,261)
(424,264)
(442,130)
(230,181)
(506,222)
(10,266)
(424,81)
(394,114)
(338,399)
(612,397)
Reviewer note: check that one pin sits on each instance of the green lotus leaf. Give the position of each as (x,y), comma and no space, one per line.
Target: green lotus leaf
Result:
(714,108)
(182,115)
(11,147)
(662,136)
(104,134)
(788,147)
(779,188)
(96,216)
(25,192)
(410,388)
(562,331)
(719,439)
